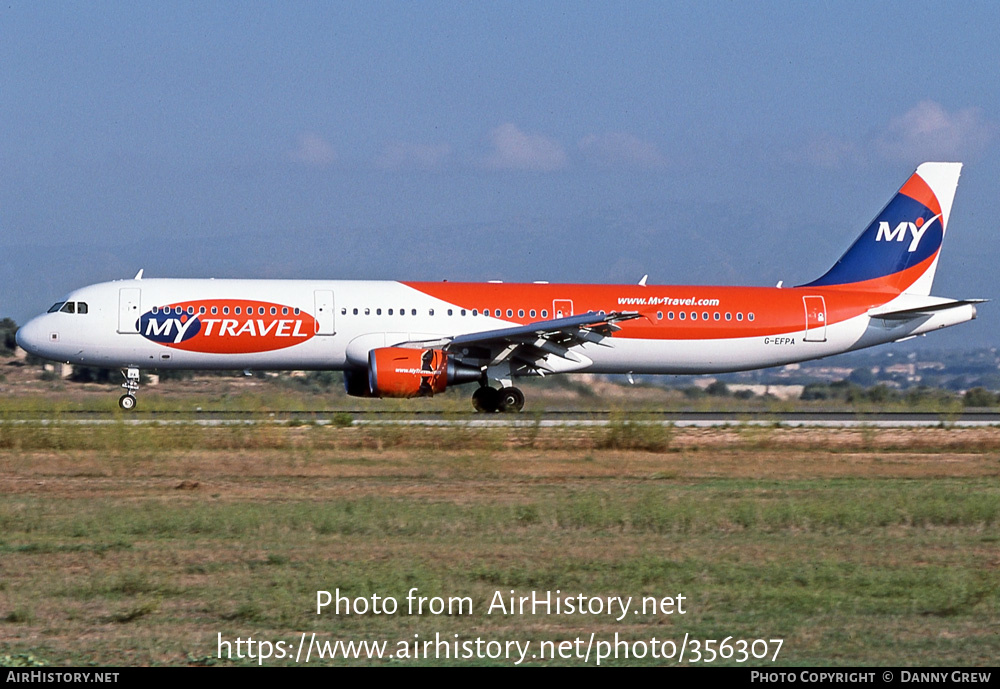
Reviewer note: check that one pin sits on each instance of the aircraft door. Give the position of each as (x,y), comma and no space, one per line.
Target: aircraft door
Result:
(562,308)
(815,319)
(129,309)
(324,311)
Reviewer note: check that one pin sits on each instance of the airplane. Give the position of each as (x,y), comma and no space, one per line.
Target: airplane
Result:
(410,339)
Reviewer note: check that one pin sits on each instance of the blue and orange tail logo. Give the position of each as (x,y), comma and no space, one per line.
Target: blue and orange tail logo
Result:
(899,250)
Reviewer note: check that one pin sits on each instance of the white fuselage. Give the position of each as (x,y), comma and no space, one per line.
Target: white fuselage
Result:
(332,325)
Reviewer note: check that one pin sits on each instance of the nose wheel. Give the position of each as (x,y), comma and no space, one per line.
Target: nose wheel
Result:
(131,385)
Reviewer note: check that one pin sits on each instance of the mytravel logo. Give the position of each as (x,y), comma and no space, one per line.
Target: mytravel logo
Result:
(227,326)
(898,234)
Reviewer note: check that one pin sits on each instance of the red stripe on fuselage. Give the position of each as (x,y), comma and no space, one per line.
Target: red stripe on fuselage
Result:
(775,311)
(889,285)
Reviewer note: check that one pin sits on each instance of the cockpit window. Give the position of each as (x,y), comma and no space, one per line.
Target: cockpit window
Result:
(71,307)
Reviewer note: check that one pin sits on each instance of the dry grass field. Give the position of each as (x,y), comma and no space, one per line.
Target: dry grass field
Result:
(141,545)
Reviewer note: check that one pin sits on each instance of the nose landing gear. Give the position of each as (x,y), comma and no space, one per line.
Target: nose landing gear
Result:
(131,385)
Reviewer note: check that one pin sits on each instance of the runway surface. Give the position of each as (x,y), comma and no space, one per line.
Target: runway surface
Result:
(835,419)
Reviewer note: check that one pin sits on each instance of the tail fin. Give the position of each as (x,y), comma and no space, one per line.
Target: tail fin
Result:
(899,250)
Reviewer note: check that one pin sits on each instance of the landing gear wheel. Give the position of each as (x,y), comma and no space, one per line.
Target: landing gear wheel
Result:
(486,399)
(511,399)
(131,385)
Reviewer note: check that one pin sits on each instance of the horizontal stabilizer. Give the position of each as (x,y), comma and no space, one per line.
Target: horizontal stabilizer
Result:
(914,308)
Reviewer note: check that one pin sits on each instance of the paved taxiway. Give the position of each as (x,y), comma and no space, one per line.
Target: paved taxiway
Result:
(543,419)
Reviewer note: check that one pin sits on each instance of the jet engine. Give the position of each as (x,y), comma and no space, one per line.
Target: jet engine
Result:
(402,372)
(356,382)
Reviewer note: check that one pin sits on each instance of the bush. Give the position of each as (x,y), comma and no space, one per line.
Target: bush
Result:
(626,433)
(8,329)
(979,397)
(718,389)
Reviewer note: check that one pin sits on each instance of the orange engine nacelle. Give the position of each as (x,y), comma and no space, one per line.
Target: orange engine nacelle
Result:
(401,372)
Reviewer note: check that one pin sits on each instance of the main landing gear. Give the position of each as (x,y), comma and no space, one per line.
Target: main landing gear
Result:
(489,400)
(131,385)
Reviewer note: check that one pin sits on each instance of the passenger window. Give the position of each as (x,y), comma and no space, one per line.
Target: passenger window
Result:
(739,316)
(659,315)
(694,315)
(378,312)
(430,312)
(355,312)
(683,315)
(520,313)
(368,312)
(670,315)
(201,310)
(704,315)
(284,311)
(545,313)
(237,310)
(274,311)
(510,313)
(413,312)
(750,316)
(296,310)
(390,312)
(475,312)
(450,312)
(462,312)
(729,316)
(532,313)
(716,315)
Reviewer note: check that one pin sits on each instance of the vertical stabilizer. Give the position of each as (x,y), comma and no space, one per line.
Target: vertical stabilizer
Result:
(898,252)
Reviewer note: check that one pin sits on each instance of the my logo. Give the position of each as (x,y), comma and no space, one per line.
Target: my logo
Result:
(898,234)
(164,327)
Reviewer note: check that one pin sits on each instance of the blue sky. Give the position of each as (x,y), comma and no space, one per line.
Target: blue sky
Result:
(718,142)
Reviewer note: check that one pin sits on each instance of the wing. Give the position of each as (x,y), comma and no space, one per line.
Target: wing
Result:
(537,348)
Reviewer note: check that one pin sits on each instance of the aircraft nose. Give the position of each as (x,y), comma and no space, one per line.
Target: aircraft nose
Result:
(30,337)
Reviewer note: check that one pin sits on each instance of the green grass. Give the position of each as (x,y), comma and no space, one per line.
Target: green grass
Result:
(105,560)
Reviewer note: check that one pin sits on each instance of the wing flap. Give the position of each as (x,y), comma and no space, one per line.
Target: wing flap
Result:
(534,343)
